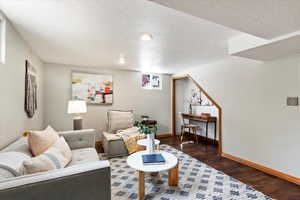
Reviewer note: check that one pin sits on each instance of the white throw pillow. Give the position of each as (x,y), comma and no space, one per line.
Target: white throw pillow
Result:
(40,141)
(12,162)
(50,160)
(64,148)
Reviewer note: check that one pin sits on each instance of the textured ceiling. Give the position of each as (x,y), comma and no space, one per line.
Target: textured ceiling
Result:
(263,18)
(96,32)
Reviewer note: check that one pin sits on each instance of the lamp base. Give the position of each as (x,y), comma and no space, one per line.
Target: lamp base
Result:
(77,123)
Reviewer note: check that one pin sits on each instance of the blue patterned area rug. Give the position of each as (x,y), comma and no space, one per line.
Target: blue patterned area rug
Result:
(196,181)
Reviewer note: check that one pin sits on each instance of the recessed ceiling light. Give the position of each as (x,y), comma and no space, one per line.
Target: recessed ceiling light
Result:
(146,37)
(122,60)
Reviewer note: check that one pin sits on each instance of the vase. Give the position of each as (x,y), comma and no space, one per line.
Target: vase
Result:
(190,109)
(150,144)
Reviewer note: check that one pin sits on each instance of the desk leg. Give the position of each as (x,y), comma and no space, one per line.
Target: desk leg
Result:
(173,176)
(206,133)
(141,185)
(215,137)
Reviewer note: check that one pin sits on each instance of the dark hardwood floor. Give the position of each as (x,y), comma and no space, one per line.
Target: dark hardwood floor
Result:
(267,184)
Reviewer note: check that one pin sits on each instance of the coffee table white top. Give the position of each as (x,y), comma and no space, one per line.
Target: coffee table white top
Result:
(144,142)
(136,162)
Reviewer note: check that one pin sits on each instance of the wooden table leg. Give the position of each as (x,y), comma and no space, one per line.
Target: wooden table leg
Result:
(141,185)
(173,176)
(206,133)
(215,136)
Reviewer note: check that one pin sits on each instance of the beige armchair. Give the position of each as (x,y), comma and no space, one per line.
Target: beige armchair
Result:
(113,145)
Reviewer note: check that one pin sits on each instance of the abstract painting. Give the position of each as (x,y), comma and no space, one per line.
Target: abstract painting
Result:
(30,104)
(92,88)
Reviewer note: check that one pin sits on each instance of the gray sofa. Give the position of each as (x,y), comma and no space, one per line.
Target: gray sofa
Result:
(85,178)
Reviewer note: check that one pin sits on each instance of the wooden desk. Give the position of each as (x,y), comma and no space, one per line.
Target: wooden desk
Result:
(204,119)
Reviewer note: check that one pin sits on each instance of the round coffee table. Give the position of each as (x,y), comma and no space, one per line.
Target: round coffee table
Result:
(135,161)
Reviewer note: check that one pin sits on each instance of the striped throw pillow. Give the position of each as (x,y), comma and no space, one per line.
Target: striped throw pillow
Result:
(52,159)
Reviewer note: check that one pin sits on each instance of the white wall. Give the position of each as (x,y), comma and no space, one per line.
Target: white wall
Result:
(128,94)
(180,102)
(13,119)
(257,124)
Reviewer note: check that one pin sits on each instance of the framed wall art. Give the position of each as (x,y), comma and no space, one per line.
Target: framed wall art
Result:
(151,81)
(92,88)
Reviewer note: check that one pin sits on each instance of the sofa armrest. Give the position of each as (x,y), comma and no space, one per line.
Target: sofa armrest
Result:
(80,138)
(84,181)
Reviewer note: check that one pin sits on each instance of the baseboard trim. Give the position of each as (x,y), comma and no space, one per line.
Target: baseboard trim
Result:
(164,135)
(267,170)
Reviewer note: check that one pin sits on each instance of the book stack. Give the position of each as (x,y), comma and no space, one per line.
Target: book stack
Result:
(153,159)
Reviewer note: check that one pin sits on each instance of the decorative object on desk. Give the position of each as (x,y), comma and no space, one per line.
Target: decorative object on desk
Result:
(153,159)
(92,88)
(76,108)
(190,109)
(196,99)
(150,136)
(30,104)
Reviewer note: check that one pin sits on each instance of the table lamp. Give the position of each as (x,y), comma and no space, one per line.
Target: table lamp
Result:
(76,107)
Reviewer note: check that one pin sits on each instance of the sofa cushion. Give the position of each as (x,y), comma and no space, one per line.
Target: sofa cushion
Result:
(85,155)
(119,120)
(64,148)
(12,162)
(49,160)
(40,141)
(20,145)
(5,174)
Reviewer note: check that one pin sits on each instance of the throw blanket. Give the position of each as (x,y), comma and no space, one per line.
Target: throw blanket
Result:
(130,137)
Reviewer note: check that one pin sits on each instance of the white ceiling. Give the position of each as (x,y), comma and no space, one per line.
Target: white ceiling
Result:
(96,32)
(263,18)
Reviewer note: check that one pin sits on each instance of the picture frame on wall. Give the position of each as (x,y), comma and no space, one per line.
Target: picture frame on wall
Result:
(151,81)
(92,87)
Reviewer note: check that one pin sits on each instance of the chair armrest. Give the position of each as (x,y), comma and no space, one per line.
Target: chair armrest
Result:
(82,181)
(80,138)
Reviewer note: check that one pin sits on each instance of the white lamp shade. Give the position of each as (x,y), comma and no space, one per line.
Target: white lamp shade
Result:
(77,107)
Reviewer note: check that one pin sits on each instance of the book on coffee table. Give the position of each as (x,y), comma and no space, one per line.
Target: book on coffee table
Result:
(153,159)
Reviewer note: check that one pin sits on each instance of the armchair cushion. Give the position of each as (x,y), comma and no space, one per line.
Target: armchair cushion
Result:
(119,120)
(113,145)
